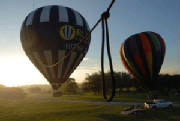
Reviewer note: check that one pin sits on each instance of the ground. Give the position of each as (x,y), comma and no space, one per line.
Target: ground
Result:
(45,108)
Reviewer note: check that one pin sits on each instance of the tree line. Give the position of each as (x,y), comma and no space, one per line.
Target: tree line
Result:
(123,80)
(11,92)
(93,83)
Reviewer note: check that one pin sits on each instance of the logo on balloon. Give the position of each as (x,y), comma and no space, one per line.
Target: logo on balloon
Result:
(67,32)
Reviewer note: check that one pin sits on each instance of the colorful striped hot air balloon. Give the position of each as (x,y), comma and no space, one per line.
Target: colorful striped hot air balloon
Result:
(48,35)
(142,55)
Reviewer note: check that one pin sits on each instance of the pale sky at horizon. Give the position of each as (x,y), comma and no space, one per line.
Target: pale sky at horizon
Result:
(128,17)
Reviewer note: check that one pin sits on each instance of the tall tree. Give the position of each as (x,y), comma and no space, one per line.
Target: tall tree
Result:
(70,86)
(94,81)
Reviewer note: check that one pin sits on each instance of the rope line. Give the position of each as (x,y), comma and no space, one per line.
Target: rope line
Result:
(105,30)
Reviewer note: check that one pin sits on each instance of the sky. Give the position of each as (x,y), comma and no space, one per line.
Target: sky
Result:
(127,17)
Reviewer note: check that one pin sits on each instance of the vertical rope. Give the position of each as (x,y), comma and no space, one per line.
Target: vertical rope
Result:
(110,60)
(102,62)
(105,30)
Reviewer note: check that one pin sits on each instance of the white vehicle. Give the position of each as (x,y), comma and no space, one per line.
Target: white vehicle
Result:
(132,111)
(158,103)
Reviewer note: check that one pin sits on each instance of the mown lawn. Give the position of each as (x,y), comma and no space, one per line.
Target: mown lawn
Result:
(32,109)
(91,97)
(124,97)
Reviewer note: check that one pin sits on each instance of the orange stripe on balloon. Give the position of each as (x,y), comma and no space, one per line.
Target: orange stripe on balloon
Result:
(147,51)
(139,62)
(145,43)
(149,61)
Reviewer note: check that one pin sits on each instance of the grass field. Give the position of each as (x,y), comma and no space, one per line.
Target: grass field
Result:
(35,109)
(126,97)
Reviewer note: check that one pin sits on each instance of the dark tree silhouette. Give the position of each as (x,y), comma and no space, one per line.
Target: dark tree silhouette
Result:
(164,82)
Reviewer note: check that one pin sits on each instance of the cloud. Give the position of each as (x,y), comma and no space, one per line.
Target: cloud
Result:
(82,72)
(85,59)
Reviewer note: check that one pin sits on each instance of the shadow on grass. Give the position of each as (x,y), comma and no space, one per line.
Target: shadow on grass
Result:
(158,115)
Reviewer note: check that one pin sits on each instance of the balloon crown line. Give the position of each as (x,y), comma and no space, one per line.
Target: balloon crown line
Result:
(104,16)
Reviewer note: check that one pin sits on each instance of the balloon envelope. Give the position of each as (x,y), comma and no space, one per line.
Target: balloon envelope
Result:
(142,55)
(48,34)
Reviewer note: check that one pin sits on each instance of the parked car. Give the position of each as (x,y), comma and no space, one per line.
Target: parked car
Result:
(158,103)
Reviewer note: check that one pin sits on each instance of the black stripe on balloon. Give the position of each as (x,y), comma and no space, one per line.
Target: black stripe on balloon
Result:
(156,68)
(129,56)
(162,51)
(23,37)
(24,23)
(61,79)
(85,26)
(145,64)
(159,55)
(44,60)
(54,60)
(153,52)
(133,60)
(72,68)
(34,61)
(71,16)
(66,61)
(36,18)
(153,84)
(85,30)
(26,34)
(54,17)
(56,67)
(38,65)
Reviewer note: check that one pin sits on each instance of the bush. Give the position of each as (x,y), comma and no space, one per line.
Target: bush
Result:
(2,90)
(35,89)
(14,92)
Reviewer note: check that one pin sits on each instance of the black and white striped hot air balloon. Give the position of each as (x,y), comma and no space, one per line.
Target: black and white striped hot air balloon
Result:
(48,34)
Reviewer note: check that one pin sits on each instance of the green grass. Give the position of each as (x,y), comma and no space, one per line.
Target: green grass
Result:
(92,97)
(34,109)
(124,97)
